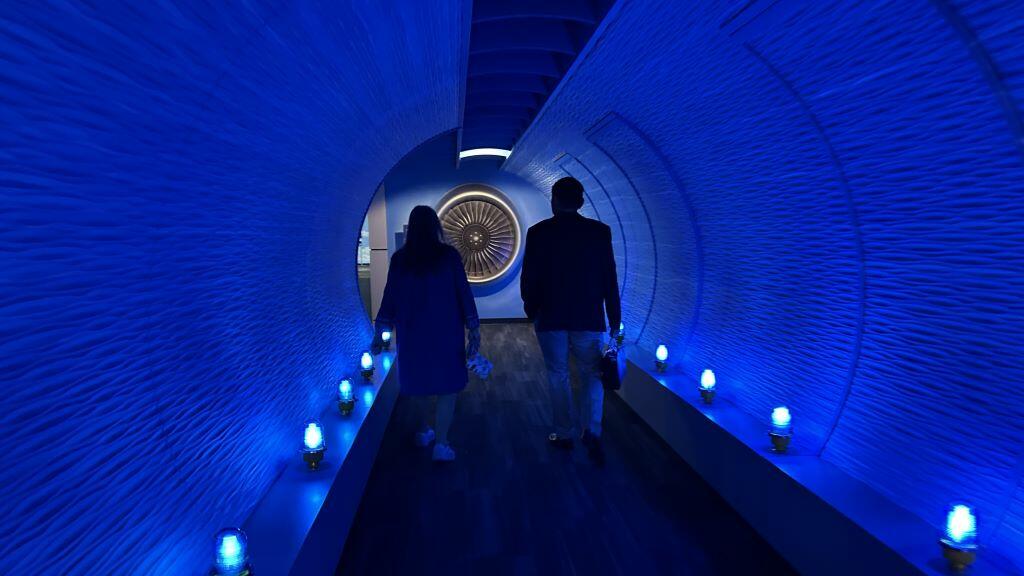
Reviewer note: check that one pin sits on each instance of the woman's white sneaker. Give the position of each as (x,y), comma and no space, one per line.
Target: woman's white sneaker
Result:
(443,453)
(423,439)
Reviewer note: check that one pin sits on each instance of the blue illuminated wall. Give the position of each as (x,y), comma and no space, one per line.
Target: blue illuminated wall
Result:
(823,201)
(429,174)
(181,190)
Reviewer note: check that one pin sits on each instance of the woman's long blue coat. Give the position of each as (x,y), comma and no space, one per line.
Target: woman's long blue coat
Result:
(429,312)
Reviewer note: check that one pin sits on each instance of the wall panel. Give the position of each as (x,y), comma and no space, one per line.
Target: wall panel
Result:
(855,172)
(181,192)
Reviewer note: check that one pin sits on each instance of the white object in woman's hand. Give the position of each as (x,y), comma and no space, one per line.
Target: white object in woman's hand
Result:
(480,366)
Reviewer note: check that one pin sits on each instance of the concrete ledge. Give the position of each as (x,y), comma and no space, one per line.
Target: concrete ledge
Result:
(820,519)
(302,522)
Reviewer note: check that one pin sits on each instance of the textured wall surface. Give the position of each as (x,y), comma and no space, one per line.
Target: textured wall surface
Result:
(181,189)
(823,201)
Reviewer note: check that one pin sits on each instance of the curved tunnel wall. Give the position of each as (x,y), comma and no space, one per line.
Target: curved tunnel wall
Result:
(821,201)
(825,203)
(181,193)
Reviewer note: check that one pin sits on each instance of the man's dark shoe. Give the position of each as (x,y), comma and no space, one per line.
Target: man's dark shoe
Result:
(594,448)
(560,442)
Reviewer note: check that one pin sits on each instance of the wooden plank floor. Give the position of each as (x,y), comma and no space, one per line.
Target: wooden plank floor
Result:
(512,505)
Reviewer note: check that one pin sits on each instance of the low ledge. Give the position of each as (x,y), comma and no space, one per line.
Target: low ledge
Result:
(845,527)
(300,525)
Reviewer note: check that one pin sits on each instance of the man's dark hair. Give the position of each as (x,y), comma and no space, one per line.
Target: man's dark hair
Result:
(568,192)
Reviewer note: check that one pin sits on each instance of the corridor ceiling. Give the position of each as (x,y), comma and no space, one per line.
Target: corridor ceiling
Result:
(518,53)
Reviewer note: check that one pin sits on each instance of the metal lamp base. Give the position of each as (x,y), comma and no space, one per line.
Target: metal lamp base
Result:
(313,459)
(959,557)
(780,442)
(367,374)
(346,406)
(246,571)
(708,396)
(659,365)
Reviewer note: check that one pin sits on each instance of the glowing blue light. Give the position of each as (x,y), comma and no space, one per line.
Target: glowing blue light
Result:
(230,552)
(313,438)
(368,397)
(385,336)
(366,361)
(661,353)
(345,389)
(386,362)
(781,419)
(707,380)
(622,327)
(961,525)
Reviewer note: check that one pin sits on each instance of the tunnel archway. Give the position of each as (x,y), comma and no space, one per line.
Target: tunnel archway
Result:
(820,200)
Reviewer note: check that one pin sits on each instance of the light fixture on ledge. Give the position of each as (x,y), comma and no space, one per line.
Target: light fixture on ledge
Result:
(366,365)
(620,336)
(346,399)
(313,444)
(707,386)
(231,554)
(385,339)
(959,544)
(661,355)
(782,429)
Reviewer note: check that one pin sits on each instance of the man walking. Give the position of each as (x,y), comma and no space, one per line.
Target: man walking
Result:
(568,285)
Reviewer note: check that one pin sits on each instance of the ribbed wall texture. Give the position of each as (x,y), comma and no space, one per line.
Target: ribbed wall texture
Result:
(181,191)
(823,201)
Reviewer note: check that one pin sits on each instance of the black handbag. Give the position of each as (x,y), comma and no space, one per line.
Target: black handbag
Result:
(610,377)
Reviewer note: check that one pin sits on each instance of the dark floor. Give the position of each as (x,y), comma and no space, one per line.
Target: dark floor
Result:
(512,505)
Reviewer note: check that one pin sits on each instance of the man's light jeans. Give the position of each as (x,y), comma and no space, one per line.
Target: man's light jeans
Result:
(586,348)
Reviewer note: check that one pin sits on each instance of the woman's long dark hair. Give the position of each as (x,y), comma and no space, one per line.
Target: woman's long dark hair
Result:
(424,240)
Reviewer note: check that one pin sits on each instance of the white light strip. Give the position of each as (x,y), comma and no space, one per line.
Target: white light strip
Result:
(484,152)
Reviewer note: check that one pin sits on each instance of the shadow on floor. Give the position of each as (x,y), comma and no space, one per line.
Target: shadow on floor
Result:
(512,505)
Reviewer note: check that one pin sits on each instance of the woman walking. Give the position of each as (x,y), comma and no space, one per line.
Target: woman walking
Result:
(428,303)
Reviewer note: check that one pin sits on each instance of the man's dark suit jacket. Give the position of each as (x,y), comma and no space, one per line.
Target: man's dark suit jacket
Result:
(569,280)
